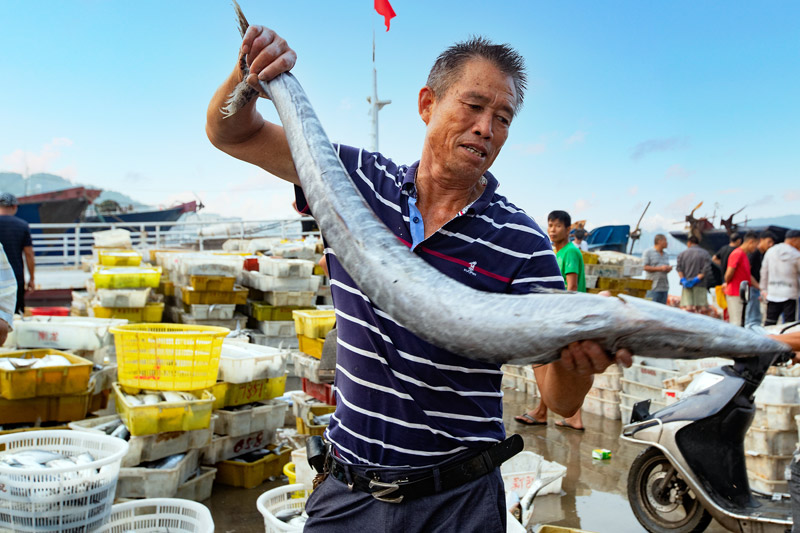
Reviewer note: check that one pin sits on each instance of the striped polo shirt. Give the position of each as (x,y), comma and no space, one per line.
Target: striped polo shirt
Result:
(400,400)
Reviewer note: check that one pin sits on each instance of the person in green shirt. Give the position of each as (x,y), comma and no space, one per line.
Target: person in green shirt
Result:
(570,261)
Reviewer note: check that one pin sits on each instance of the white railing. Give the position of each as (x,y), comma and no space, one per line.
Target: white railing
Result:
(64,244)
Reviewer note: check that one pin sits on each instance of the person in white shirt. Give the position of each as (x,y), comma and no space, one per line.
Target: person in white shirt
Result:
(580,236)
(780,279)
(8,296)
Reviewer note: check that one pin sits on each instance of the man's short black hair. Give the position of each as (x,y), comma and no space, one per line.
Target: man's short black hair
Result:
(561,216)
(658,237)
(692,239)
(768,235)
(750,236)
(735,236)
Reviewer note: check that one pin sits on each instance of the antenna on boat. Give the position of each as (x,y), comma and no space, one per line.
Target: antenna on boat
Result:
(375,103)
(636,233)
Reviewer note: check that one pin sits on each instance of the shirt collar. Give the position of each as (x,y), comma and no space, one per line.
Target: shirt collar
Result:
(409,187)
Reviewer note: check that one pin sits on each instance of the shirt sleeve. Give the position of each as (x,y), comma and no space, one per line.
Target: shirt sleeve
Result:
(26,240)
(572,262)
(646,258)
(540,272)
(734,259)
(8,289)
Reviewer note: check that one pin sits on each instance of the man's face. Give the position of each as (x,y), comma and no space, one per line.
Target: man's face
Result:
(557,230)
(661,244)
(750,246)
(736,244)
(794,241)
(468,124)
(765,244)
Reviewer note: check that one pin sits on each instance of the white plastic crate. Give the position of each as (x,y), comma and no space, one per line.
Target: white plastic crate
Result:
(600,407)
(687,366)
(640,390)
(610,379)
(776,416)
(625,413)
(198,488)
(648,375)
(523,469)
(212,312)
(140,482)
(285,298)
(223,448)
(243,363)
(208,265)
(287,343)
(302,470)
(66,499)
(173,514)
(301,403)
(778,390)
(767,486)
(267,416)
(307,367)
(280,267)
(266,283)
(122,297)
(610,395)
(152,447)
(65,333)
(277,328)
(766,441)
(281,499)
(767,466)
(656,362)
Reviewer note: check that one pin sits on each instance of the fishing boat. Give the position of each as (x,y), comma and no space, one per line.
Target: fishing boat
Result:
(64,206)
(111,212)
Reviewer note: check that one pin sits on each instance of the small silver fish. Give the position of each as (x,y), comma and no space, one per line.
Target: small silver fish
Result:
(150,399)
(122,432)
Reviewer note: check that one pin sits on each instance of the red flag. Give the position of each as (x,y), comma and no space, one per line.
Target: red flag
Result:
(383,7)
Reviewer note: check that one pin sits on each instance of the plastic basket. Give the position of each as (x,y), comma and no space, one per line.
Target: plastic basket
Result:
(261,311)
(165,416)
(237,296)
(309,346)
(119,258)
(50,311)
(173,514)
(126,277)
(152,312)
(280,499)
(168,356)
(314,323)
(212,283)
(69,499)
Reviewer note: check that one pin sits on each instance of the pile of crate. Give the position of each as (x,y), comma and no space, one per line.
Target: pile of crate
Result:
(615,272)
(772,438)
(521,378)
(121,285)
(315,362)
(603,399)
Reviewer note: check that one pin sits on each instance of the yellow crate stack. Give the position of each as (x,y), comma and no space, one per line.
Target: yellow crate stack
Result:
(312,326)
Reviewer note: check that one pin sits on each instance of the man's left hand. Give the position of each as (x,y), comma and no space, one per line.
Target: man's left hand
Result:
(588,357)
(31,286)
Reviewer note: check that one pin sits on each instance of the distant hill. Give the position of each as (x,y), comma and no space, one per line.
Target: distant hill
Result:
(40,183)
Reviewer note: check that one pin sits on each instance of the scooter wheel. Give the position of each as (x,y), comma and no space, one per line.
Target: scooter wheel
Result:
(660,498)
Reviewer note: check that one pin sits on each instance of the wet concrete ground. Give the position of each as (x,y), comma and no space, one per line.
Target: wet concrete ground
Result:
(593,492)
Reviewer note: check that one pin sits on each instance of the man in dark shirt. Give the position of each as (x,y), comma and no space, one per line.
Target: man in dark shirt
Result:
(753,315)
(693,266)
(720,257)
(15,236)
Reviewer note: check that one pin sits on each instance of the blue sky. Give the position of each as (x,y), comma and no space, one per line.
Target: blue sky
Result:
(628,101)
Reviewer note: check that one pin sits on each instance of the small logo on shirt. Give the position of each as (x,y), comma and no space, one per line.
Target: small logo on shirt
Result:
(471,269)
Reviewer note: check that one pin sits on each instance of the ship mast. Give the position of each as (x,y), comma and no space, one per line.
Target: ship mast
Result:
(376,104)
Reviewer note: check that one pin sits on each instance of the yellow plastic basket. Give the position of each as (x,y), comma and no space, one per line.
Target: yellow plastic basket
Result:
(165,416)
(168,356)
(153,312)
(49,381)
(119,258)
(314,323)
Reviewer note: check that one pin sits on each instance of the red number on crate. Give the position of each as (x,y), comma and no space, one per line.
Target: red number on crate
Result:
(54,336)
(3,487)
(42,335)
(259,439)
(238,446)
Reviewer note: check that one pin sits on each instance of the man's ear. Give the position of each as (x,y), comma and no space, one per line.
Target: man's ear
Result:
(425,103)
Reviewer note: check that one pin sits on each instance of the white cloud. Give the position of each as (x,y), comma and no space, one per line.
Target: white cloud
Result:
(577,137)
(633,191)
(656,222)
(684,204)
(658,145)
(677,172)
(792,195)
(730,191)
(581,205)
(345,104)
(531,148)
(32,163)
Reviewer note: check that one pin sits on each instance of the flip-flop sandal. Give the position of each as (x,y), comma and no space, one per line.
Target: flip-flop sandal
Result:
(565,425)
(528,420)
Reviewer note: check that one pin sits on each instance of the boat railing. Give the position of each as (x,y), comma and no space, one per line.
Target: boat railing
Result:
(65,244)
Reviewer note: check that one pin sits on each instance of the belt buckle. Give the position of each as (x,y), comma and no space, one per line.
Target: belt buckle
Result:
(387,488)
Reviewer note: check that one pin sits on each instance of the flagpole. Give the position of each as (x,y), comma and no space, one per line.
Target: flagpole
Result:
(375,103)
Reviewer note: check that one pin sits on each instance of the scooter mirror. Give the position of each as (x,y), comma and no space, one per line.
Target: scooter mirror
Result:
(744,291)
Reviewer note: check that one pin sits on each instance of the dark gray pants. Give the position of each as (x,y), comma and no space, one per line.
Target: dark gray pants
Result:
(475,507)
(794,490)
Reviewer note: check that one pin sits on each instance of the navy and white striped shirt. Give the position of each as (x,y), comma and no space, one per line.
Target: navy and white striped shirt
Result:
(400,400)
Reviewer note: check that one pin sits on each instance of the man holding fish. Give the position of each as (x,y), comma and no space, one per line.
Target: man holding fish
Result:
(417,436)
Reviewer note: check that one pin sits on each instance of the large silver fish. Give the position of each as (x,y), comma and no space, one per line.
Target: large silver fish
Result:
(497,328)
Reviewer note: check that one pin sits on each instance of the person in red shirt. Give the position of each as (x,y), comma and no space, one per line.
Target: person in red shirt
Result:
(738,270)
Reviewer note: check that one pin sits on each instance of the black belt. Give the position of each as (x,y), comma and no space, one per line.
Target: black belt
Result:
(425,482)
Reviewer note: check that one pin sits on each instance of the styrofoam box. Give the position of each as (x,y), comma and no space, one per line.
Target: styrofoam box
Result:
(266,283)
(770,441)
(277,328)
(641,391)
(604,394)
(122,297)
(648,375)
(521,471)
(610,379)
(285,268)
(157,482)
(266,416)
(198,488)
(778,389)
(227,447)
(767,466)
(629,401)
(767,486)
(307,367)
(286,343)
(243,363)
(212,312)
(776,416)
(297,298)
(65,333)
(600,407)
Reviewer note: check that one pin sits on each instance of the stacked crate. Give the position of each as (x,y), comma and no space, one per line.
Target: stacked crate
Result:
(615,272)
(43,386)
(772,438)
(163,397)
(603,399)
(205,289)
(313,327)
(521,378)
(279,285)
(243,448)
(121,287)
